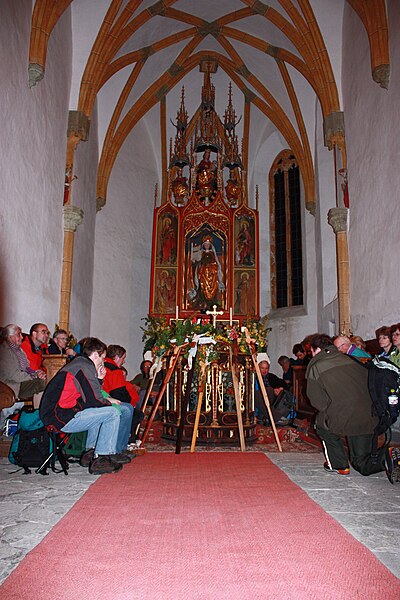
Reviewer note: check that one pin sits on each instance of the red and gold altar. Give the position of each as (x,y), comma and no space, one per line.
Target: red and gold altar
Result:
(205,244)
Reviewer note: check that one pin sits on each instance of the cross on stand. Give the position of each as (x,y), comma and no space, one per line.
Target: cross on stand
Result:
(214,313)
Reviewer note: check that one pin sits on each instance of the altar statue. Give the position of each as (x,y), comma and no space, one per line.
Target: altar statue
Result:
(206,175)
(207,274)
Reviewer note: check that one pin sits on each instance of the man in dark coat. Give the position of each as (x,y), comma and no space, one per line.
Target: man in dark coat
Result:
(337,387)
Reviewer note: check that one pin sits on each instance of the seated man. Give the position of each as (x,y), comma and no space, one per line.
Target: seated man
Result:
(15,369)
(118,387)
(58,345)
(344,345)
(338,388)
(73,402)
(284,362)
(273,385)
(35,345)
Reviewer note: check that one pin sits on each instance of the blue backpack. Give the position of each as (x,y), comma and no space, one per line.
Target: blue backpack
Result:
(31,444)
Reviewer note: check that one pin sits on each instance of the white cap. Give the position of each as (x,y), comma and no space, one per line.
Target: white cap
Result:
(148,356)
(261,356)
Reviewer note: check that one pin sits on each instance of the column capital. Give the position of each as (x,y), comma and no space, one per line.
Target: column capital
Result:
(334,131)
(78,125)
(338,219)
(100,202)
(35,74)
(73,216)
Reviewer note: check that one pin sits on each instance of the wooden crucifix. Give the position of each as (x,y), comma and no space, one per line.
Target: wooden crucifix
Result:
(214,313)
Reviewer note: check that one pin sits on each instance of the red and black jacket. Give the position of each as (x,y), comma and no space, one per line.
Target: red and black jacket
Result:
(116,385)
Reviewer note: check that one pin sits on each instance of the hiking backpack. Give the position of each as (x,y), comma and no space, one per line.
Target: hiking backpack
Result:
(31,444)
(384,389)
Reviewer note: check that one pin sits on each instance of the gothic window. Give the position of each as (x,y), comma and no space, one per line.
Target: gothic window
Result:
(285,233)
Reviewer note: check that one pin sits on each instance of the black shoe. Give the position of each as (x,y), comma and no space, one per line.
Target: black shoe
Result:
(103,464)
(87,458)
(122,458)
(392,464)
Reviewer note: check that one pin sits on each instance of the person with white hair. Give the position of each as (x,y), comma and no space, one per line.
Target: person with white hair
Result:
(15,370)
(273,385)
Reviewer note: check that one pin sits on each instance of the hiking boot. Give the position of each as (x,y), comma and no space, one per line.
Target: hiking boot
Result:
(392,464)
(122,458)
(104,464)
(345,471)
(87,457)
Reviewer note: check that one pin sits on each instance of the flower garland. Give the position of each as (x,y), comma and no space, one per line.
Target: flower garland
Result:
(160,336)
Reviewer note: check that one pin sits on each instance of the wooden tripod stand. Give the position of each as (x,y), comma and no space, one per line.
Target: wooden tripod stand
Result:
(253,351)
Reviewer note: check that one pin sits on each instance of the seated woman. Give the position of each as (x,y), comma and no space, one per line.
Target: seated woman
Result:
(395,333)
(384,339)
(116,385)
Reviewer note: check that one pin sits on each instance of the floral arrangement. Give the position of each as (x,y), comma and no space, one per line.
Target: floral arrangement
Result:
(159,335)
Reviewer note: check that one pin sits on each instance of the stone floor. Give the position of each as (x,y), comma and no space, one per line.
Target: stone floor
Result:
(368,507)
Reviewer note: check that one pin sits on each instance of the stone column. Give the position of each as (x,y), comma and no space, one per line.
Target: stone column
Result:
(73,216)
(338,220)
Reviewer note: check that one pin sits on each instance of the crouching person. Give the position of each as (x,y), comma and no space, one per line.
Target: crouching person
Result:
(73,402)
(337,387)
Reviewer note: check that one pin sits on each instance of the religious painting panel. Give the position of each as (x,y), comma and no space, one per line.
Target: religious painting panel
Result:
(205,269)
(245,292)
(245,241)
(167,236)
(164,298)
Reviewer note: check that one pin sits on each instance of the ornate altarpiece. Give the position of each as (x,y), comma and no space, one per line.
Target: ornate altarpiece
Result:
(205,236)
(205,251)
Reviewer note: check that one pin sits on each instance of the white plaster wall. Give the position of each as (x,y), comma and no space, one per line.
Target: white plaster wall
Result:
(288,325)
(84,196)
(123,248)
(32,156)
(372,119)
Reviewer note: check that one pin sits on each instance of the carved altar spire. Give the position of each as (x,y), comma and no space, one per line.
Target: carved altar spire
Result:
(232,158)
(180,158)
(207,137)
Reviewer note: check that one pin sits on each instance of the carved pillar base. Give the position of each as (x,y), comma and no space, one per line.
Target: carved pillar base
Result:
(338,220)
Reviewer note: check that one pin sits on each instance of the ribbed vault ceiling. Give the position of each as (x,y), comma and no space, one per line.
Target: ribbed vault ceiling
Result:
(282,57)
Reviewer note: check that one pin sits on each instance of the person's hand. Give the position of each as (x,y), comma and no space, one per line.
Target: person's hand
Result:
(40,374)
(114,400)
(101,372)
(70,352)
(277,391)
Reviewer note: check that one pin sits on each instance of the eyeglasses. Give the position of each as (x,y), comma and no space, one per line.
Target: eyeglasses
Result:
(44,331)
(396,333)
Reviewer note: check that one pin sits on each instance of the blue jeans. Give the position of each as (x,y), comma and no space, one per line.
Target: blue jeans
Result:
(102,425)
(125,426)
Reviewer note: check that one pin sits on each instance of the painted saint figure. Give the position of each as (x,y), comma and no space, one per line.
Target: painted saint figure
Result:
(244,242)
(207,274)
(168,243)
(244,304)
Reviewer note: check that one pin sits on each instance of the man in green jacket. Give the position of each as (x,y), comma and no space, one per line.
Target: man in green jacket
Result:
(337,387)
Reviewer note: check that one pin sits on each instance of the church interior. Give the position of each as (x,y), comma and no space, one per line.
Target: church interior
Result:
(223,161)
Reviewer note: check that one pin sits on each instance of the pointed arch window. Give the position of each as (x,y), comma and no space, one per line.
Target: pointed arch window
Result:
(285,232)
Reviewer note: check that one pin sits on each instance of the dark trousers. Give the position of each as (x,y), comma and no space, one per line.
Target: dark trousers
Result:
(360,448)
(137,418)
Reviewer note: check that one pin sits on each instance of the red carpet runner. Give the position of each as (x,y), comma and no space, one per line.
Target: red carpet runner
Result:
(200,526)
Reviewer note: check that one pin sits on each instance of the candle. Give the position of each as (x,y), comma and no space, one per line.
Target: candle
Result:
(230,316)
(176,313)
